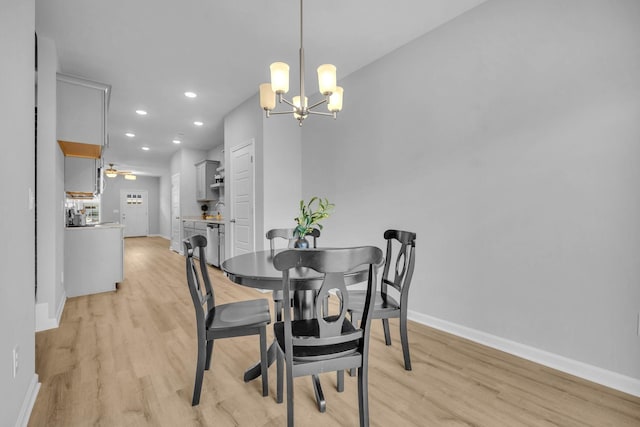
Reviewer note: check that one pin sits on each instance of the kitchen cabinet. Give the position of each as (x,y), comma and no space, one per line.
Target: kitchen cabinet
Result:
(205,172)
(93,259)
(191,228)
(82,107)
(81,175)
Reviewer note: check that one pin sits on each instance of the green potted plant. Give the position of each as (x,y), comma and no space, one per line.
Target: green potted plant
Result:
(309,218)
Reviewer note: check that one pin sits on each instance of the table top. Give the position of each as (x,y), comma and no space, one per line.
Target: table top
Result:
(256,270)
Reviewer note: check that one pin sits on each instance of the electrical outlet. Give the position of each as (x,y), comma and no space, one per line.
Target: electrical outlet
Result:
(16,360)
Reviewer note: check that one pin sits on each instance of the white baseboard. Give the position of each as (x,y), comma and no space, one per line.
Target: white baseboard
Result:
(60,308)
(159,235)
(28,402)
(588,372)
(43,321)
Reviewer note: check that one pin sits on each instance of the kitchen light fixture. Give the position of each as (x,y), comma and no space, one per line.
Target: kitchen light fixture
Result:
(130,177)
(141,112)
(197,123)
(176,141)
(280,85)
(130,134)
(190,94)
(145,148)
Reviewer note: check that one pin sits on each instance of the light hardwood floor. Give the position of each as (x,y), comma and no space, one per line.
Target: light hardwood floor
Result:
(127,358)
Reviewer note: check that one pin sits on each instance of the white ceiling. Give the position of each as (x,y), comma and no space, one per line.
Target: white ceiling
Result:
(152,51)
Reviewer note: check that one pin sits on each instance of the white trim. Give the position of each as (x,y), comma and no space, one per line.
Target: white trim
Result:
(43,321)
(588,372)
(60,309)
(28,402)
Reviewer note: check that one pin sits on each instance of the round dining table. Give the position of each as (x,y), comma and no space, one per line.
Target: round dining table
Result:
(256,270)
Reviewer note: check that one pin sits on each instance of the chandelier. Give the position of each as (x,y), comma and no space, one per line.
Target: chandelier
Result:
(280,85)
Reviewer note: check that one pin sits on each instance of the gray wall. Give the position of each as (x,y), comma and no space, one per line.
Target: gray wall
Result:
(509,140)
(17,227)
(110,200)
(50,197)
(165,206)
(277,166)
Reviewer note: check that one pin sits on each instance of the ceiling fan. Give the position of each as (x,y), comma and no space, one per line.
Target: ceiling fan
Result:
(111,172)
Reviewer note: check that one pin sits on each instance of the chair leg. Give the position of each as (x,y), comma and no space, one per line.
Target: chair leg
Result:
(207,365)
(264,366)
(404,338)
(279,374)
(387,335)
(197,387)
(363,396)
(340,386)
(354,321)
(290,395)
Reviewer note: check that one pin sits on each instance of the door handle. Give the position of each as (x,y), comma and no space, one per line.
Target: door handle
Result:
(232,220)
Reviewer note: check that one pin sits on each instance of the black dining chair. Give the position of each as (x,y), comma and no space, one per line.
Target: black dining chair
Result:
(234,319)
(328,342)
(403,244)
(287,234)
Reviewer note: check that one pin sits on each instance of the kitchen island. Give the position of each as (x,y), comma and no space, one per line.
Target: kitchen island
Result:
(93,258)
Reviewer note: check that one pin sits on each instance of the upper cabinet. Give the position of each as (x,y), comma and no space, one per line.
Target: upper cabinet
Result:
(82,107)
(81,177)
(205,172)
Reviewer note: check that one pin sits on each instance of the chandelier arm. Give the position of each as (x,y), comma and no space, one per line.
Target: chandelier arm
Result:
(286,101)
(317,103)
(280,112)
(320,113)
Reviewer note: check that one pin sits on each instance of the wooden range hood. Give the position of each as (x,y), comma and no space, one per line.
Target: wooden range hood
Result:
(78,149)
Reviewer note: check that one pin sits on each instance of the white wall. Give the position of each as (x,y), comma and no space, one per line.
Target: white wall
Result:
(17,228)
(110,199)
(509,140)
(50,194)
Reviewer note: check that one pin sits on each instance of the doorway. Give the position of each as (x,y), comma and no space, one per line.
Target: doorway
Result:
(242,219)
(134,212)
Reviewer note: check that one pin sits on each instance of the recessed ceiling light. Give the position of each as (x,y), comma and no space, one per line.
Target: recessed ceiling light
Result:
(176,141)
(130,134)
(145,148)
(190,94)
(198,123)
(141,112)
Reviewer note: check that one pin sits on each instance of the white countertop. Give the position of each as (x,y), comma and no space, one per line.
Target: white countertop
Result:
(208,221)
(96,226)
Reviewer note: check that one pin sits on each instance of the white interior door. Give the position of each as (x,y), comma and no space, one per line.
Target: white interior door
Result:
(134,212)
(242,199)
(175,214)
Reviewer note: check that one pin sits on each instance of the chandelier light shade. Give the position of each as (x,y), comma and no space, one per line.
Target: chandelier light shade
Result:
(279,77)
(335,100)
(267,97)
(327,79)
(327,87)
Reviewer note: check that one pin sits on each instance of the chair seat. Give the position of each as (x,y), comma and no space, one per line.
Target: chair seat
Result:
(237,314)
(357,299)
(309,328)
